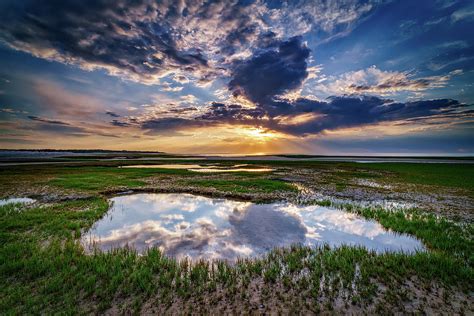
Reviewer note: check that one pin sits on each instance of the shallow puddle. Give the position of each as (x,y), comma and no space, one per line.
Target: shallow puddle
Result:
(16,200)
(199,168)
(185,225)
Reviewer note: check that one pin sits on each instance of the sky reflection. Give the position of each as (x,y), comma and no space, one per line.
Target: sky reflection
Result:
(199,168)
(185,225)
(16,200)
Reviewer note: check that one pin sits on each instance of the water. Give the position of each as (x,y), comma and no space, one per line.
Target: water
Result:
(185,225)
(199,168)
(16,200)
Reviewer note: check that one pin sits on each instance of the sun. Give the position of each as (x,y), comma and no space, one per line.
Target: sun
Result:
(258,134)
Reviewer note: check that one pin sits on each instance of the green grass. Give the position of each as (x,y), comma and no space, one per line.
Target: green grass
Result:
(89,178)
(94,179)
(44,270)
(101,178)
(439,174)
(356,174)
(340,186)
(97,176)
(435,174)
(439,234)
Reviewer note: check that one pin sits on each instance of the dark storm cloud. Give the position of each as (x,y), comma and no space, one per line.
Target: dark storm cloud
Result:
(131,38)
(349,111)
(281,68)
(140,40)
(146,39)
(112,114)
(120,123)
(332,114)
(232,112)
(337,112)
(272,72)
(172,124)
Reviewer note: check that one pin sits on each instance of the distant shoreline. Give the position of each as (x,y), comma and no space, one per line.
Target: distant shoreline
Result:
(49,156)
(3,152)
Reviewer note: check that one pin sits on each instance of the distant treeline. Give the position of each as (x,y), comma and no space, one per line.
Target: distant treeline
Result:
(83,151)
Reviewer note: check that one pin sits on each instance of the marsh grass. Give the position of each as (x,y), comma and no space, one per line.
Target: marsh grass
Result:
(95,176)
(101,178)
(437,233)
(43,268)
(443,174)
(254,184)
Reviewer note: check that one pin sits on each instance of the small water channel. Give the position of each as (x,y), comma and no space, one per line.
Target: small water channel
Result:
(203,168)
(21,200)
(185,225)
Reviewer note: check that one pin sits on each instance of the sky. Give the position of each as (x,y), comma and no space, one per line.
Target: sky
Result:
(375,77)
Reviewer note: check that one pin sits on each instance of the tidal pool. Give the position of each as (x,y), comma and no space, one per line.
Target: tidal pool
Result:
(16,200)
(185,225)
(199,168)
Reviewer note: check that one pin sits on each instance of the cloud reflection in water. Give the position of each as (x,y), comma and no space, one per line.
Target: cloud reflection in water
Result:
(200,227)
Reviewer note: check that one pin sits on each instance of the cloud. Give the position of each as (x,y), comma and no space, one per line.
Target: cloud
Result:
(62,102)
(112,114)
(462,14)
(120,124)
(305,117)
(13,111)
(328,19)
(171,124)
(181,79)
(376,81)
(40,119)
(146,40)
(166,86)
(56,126)
(128,39)
(65,128)
(269,75)
(253,47)
(189,98)
(272,72)
(453,55)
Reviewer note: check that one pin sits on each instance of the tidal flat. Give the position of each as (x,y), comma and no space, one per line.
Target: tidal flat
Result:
(300,236)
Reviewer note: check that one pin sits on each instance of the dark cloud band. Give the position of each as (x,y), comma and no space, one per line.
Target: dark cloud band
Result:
(319,116)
